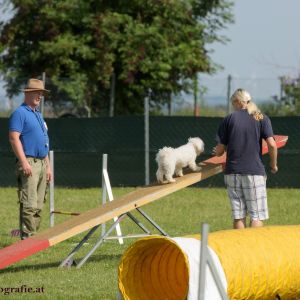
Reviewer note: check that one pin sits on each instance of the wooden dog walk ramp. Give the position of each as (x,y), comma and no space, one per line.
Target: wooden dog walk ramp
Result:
(108,211)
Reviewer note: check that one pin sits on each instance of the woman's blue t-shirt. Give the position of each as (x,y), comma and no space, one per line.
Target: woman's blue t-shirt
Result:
(242,135)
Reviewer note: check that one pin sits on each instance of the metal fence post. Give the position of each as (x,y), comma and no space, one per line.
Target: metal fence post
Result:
(229,78)
(112,95)
(43,98)
(196,92)
(146,122)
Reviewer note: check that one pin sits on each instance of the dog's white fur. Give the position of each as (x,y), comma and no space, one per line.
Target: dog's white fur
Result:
(172,160)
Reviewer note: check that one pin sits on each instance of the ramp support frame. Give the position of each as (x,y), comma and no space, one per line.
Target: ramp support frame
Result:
(68,261)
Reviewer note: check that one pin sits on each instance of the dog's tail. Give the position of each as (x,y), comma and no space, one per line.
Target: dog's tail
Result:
(163,153)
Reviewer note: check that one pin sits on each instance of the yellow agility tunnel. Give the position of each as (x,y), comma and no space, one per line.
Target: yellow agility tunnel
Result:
(252,263)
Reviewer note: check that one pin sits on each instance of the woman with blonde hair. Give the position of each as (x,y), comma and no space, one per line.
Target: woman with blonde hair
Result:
(240,135)
(241,98)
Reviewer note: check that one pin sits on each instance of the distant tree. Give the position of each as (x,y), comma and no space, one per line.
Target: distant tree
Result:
(288,102)
(291,93)
(148,44)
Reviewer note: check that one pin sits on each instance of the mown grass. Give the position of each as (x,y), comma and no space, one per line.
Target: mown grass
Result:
(179,214)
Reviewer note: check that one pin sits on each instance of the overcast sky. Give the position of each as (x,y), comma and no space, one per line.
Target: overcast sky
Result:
(265,44)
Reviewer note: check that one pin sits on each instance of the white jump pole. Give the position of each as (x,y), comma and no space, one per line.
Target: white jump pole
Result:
(104,167)
(51,202)
(206,259)
(106,189)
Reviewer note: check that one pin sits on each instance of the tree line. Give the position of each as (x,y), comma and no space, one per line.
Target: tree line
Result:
(145,48)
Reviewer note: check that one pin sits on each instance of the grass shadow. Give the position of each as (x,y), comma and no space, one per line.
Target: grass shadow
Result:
(43,266)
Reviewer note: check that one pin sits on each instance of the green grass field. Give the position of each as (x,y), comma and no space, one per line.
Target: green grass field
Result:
(179,214)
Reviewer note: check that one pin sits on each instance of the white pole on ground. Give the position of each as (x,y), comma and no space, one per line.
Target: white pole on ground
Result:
(146,121)
(111,198)
(51,202)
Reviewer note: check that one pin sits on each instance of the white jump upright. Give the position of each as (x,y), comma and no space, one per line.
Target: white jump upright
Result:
(106,190)
(206,259)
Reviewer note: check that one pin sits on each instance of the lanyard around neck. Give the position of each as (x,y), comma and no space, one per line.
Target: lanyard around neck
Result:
(37,115)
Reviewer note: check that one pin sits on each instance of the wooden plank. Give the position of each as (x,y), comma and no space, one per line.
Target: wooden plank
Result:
(20,250)
(128,202)
(96,216)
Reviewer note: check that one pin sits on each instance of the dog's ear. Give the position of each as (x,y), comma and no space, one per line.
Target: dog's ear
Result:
(202,146)
(198,144)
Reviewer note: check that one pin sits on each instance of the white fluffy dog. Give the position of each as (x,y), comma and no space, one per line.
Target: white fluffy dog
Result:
(172,160)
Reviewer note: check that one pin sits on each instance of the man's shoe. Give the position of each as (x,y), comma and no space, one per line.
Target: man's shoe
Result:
(24,236)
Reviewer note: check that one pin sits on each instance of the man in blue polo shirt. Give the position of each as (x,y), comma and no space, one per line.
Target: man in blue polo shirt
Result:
(240,135)
(29,140)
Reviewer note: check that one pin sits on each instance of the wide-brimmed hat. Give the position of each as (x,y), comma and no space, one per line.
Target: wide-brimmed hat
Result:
(35,85)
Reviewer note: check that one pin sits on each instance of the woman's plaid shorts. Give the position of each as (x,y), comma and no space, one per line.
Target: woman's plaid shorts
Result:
(247,194)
